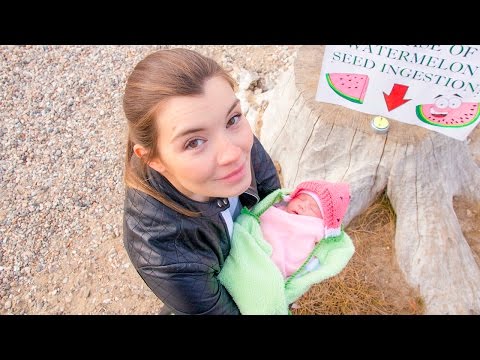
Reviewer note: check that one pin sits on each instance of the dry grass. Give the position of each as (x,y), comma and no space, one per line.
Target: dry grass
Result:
(372,282)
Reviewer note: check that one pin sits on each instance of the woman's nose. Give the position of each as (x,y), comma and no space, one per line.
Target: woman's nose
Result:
(228,152)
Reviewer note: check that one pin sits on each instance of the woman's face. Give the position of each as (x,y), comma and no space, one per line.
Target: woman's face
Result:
(205,143)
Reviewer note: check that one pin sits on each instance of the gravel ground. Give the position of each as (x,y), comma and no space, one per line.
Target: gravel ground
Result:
(61,165)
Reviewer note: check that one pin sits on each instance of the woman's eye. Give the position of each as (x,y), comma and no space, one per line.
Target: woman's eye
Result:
(233,120)
(193,144)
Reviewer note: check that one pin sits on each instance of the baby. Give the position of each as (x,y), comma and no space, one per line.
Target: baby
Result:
(313,211)
(285,244)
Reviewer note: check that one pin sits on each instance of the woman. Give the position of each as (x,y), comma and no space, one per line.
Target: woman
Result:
(192,162)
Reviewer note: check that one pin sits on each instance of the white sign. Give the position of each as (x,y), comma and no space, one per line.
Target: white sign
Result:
(433,86)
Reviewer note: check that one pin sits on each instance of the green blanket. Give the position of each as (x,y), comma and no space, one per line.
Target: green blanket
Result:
(253,279)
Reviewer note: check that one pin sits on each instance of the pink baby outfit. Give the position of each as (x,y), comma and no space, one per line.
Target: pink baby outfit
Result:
(292,237)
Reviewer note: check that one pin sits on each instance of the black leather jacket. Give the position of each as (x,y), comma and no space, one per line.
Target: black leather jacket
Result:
(179,257)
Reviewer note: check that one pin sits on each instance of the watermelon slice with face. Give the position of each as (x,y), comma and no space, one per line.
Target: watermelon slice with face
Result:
(349,86)
(464,115)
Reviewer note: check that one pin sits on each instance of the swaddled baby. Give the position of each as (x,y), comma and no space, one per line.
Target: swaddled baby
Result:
(314,210)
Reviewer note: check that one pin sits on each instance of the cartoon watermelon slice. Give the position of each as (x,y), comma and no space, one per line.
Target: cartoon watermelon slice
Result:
(349,86)
(465,115)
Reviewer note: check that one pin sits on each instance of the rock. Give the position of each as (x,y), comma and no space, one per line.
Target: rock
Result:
(247,79)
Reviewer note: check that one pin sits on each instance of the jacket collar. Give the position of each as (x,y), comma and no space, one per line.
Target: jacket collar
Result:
(208,208)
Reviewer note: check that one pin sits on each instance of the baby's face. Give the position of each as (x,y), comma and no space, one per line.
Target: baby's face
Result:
(304,204)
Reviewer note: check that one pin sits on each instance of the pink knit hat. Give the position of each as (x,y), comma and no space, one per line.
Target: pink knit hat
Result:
(331,198)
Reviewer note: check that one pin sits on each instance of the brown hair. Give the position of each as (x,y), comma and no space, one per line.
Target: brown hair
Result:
(155,79)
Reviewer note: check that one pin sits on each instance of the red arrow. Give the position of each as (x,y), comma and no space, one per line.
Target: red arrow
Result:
(395,99)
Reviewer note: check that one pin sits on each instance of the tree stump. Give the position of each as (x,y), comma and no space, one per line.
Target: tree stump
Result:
(422,171)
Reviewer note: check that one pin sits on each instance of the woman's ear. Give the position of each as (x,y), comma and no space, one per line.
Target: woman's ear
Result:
(155,164)
(139,151)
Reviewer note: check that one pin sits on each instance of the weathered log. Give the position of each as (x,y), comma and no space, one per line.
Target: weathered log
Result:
(422,171)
